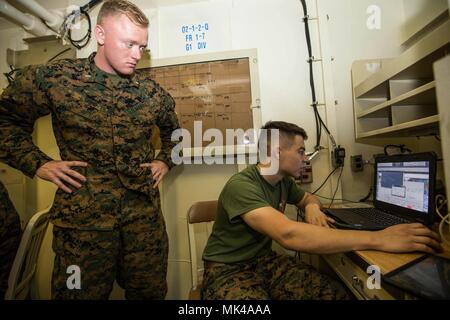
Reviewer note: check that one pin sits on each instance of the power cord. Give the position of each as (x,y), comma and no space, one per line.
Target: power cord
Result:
(367,196)
(337,187)
(326,179)
(441,202)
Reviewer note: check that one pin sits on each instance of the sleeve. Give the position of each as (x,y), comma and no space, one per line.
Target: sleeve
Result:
(167,122)
(295,194)
(21,104)
(239,197)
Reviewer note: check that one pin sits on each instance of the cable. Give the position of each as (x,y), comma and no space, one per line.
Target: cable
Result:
(345,200)
(323,183)
(311,73)
(66,27)
(368,195)
(318,119)
(90,5)
(337,187)
(444,221)
(81,43)
(10,75)
(57,55)
(440,201)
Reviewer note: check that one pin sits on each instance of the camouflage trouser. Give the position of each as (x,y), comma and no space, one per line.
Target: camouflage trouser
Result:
(10,235)
(277,277)
(135,254)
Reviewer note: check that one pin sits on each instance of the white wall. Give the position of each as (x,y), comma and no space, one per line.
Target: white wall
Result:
(351,39)
(276,30)
(12,39)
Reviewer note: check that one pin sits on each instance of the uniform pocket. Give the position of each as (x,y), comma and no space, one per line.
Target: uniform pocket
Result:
(74,208)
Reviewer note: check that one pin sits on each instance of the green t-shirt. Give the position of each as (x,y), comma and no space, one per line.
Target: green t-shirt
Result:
(232,240)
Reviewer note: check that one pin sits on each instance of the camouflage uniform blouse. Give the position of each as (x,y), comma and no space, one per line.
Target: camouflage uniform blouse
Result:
(108,124)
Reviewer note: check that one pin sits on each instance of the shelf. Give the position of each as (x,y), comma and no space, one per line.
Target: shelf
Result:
(399,99)
(420,126)
(415,62)
(422,95)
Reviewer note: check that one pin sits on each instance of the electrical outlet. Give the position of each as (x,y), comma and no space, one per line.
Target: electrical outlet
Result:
(337,157)
(357,163)
(306,175)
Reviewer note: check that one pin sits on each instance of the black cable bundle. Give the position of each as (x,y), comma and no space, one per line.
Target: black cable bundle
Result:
(367,196)
(318,118)
(90,5)
(10,75)
(66,28)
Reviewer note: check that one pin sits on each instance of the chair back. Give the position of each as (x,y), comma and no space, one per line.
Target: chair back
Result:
(25,262)
(203,212)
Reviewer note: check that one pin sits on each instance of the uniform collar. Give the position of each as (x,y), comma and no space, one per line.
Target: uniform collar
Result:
(91,74)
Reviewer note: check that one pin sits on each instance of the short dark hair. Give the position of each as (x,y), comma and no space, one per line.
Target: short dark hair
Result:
(116,7)
(287,130)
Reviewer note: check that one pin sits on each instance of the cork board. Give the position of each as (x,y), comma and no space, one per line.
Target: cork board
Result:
(217,93)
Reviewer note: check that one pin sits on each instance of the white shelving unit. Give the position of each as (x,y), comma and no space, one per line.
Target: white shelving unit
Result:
(442,72)
(399,99)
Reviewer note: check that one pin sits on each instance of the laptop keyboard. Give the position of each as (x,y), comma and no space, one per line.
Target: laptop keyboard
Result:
(379,217)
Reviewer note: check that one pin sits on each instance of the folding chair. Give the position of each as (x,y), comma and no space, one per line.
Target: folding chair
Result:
(24,266)
(204,213)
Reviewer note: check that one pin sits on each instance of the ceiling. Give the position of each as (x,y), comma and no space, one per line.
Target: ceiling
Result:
(6,23)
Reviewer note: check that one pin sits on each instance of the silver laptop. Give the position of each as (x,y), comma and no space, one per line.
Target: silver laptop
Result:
(403,193)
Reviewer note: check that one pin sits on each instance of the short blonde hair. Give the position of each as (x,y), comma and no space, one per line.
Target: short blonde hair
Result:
(115,7)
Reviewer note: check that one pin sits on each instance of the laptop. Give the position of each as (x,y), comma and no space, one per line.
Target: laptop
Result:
(403,193)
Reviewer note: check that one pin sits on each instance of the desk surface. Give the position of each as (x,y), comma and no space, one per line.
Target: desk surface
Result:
(389,262)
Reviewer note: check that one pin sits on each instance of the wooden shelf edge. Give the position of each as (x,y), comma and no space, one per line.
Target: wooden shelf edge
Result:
(400,98)
(422,49)
(400,127)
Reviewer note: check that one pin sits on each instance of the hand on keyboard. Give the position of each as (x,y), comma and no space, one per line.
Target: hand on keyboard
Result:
(408,238)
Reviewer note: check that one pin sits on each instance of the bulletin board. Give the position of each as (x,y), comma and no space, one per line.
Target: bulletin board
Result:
(220,90)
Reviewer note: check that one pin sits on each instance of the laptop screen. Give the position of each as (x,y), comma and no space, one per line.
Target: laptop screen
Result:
(405,184)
